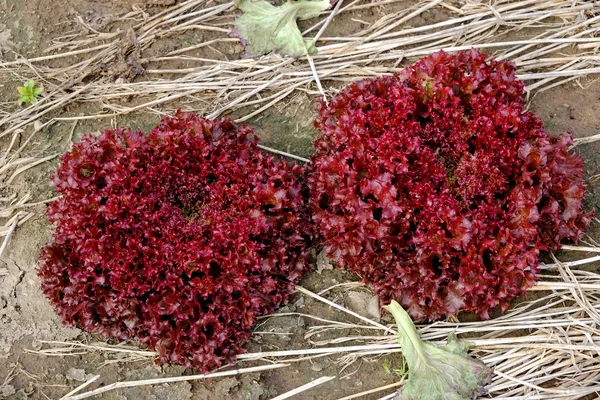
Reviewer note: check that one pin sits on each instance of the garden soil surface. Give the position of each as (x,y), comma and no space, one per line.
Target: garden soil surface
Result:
(27,27)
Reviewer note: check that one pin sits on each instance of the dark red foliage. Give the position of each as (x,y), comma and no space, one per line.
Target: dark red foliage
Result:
(439,189)
(179,239)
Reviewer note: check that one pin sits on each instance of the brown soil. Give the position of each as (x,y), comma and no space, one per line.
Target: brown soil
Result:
(28,27)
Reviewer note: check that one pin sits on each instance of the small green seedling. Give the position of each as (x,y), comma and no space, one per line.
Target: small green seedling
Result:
(29,93)
(387,367)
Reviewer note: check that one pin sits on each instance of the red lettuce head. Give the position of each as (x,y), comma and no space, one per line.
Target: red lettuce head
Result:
(439,189)
(179,239)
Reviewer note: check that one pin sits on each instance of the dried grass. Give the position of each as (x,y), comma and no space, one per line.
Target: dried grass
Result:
(158,381)
(15,208)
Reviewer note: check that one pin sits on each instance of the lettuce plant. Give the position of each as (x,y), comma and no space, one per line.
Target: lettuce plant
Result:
(439,189)
(179,239)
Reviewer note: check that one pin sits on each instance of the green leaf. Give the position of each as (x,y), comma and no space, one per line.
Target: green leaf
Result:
(264,28)
(386,367)
(437,372)
(29,93)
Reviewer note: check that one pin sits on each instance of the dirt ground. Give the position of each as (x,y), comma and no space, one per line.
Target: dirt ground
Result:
(28,27)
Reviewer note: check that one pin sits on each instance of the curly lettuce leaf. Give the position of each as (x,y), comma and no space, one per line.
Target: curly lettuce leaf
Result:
(264,28)
(437,372)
